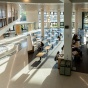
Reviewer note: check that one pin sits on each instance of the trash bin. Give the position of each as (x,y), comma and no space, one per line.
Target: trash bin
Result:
(68,68)
(62,67)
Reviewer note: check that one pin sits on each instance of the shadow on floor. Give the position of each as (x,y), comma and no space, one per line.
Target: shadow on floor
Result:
(36,63)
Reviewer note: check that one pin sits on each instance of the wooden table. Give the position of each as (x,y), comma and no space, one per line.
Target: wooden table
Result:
(47,48)
(59,60)
(40,54)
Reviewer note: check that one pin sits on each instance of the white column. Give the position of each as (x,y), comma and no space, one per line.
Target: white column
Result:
(76,21)
(42,22)
(67,30)
(79,19)
(11,12)
(48,20)
(36,24)
(58,19)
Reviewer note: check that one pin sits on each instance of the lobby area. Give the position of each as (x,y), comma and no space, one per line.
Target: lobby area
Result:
(44,44)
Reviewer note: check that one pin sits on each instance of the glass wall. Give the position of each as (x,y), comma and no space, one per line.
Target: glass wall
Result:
(61,19)
(39,19)
(52,19)
(73,20)
(23,16)
(84,20)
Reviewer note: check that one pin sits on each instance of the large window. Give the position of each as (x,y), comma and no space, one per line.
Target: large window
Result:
(73,20)
(85,20)
(23,16)
(39,19)
(53,19)
(48,18)
(53,16)
(2,15)
(61,19)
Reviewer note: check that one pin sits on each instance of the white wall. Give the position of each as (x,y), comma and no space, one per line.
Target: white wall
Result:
(32,16)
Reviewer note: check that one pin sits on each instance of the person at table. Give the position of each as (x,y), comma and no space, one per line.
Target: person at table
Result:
(76,44)
(62,49)
(59,38)
(61,35)
(57,55)
(75,38)
(41,46)
(77,53)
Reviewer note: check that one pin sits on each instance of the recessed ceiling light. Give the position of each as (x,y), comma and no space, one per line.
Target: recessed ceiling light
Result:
(26,0)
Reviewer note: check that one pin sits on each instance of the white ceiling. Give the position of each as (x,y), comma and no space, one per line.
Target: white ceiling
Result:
(53,7)
(49,6)
(46,7)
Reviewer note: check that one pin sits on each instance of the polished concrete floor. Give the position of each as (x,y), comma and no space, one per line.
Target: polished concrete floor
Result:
(17,72)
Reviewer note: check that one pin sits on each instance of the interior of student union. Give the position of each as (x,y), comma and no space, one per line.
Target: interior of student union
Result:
(43,43)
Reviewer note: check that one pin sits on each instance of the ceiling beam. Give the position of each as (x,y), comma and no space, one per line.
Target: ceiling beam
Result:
(79,1)
(33,1)
(65,1)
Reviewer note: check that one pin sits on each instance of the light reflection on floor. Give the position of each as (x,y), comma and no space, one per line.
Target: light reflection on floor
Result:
(3,63)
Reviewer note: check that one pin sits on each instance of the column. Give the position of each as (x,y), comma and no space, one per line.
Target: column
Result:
(42,22)
(11,12)
(6,13)
(67,30)
(79,19)
(18,29)
(48,20)
(76,21)
(17,13)
(58,18)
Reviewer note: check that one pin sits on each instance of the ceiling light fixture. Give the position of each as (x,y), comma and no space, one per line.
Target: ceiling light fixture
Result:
(26,0)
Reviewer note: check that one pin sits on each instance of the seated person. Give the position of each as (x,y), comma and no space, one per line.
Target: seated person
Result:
(76,52)
(75,38)
(57,55)
(40,47)
(76,44)
(59,37)
(62,48)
